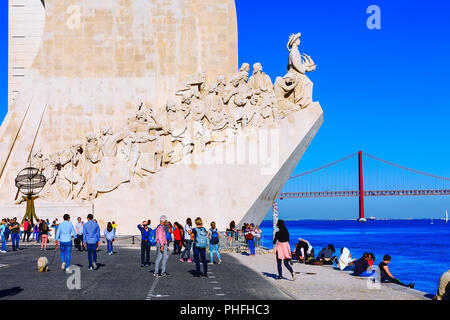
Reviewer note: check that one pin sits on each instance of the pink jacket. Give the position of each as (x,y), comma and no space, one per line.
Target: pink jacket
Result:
(161,235)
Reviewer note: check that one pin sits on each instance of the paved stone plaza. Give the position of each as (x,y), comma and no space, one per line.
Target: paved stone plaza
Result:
(120,277)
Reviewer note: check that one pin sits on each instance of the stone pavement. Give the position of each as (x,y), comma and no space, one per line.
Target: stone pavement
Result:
(120,277)
(324,282)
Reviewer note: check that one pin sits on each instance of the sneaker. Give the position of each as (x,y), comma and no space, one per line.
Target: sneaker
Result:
(94,264)
(189,260)
(181,260)
(67,270)
(156,275)
(41,249)
(63,266)
(278,278)
(142,265)
(164,274)
(90,268)
(205,275)
(293,276)
(197,275)
(220,261)
(211,262)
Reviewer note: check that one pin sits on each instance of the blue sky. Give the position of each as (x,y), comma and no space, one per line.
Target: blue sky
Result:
(385,92)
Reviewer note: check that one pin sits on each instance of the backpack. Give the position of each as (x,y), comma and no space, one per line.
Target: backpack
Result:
(249,236)
(152,237)
(201,240)
(214,237)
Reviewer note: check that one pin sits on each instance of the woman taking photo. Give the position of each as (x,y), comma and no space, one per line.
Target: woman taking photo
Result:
(283,249)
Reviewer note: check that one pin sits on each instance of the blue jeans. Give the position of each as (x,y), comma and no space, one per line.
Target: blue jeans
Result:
(92,253)
(187,250)
(200,253)
(3,243)
(213,247)
(367,274)
(66,252)
(109,244)
(251,246)
(15,237)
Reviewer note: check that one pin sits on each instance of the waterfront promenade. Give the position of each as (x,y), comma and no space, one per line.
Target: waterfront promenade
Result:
(239,277)
(324,282)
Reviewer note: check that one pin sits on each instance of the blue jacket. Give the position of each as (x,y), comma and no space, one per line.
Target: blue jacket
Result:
(2,229)
(91,232)
(65,232)
(110,235)
(145,234)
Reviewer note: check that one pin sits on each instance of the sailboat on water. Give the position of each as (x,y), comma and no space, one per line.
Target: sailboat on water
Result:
(446,216)
(431,221)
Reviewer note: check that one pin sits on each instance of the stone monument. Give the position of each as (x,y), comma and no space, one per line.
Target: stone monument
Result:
(136,109)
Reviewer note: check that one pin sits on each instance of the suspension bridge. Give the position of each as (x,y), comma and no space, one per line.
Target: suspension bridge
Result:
(345,178)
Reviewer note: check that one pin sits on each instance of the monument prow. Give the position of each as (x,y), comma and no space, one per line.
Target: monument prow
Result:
(139,110)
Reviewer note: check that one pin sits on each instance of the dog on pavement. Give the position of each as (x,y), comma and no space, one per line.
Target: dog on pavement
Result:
(42,264)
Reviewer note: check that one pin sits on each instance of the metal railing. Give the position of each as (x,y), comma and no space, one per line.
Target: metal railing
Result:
(237,244)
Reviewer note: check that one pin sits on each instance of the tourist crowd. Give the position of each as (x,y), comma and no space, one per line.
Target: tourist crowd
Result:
(86,237)
(304,253)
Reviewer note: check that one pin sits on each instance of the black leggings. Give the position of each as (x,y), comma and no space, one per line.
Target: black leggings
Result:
(393,280)
(286,264)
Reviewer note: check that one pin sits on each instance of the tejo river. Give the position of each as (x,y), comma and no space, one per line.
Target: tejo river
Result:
(419,249)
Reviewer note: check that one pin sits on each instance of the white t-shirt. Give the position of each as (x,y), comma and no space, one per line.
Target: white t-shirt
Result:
(187,236)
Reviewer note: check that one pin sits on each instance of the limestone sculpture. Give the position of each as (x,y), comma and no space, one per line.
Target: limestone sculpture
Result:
(192,121)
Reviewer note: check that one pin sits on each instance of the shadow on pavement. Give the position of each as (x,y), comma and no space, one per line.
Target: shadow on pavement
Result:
(10,292)
(270,275)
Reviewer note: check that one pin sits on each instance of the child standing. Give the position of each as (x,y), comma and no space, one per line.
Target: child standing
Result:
(200,243)
(214,236)
(110,234)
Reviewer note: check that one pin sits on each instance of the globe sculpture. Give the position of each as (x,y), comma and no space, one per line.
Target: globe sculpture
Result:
(30,182)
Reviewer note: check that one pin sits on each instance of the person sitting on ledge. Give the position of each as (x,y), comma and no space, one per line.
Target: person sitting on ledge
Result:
(386,275)
(345,259)
(326,255)
(303,250)
(443,292)
(362,266)
(371,260)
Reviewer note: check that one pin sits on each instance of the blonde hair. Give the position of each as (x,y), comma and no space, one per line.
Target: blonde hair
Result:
(198,221)
(213,225)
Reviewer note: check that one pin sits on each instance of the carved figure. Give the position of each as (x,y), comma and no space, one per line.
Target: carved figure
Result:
(298,65)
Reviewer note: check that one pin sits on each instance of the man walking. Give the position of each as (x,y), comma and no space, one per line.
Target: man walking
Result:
(4,230)
(145,230)
(161,248)
(15,230)
(91,239)
(64,235)
(79,231)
